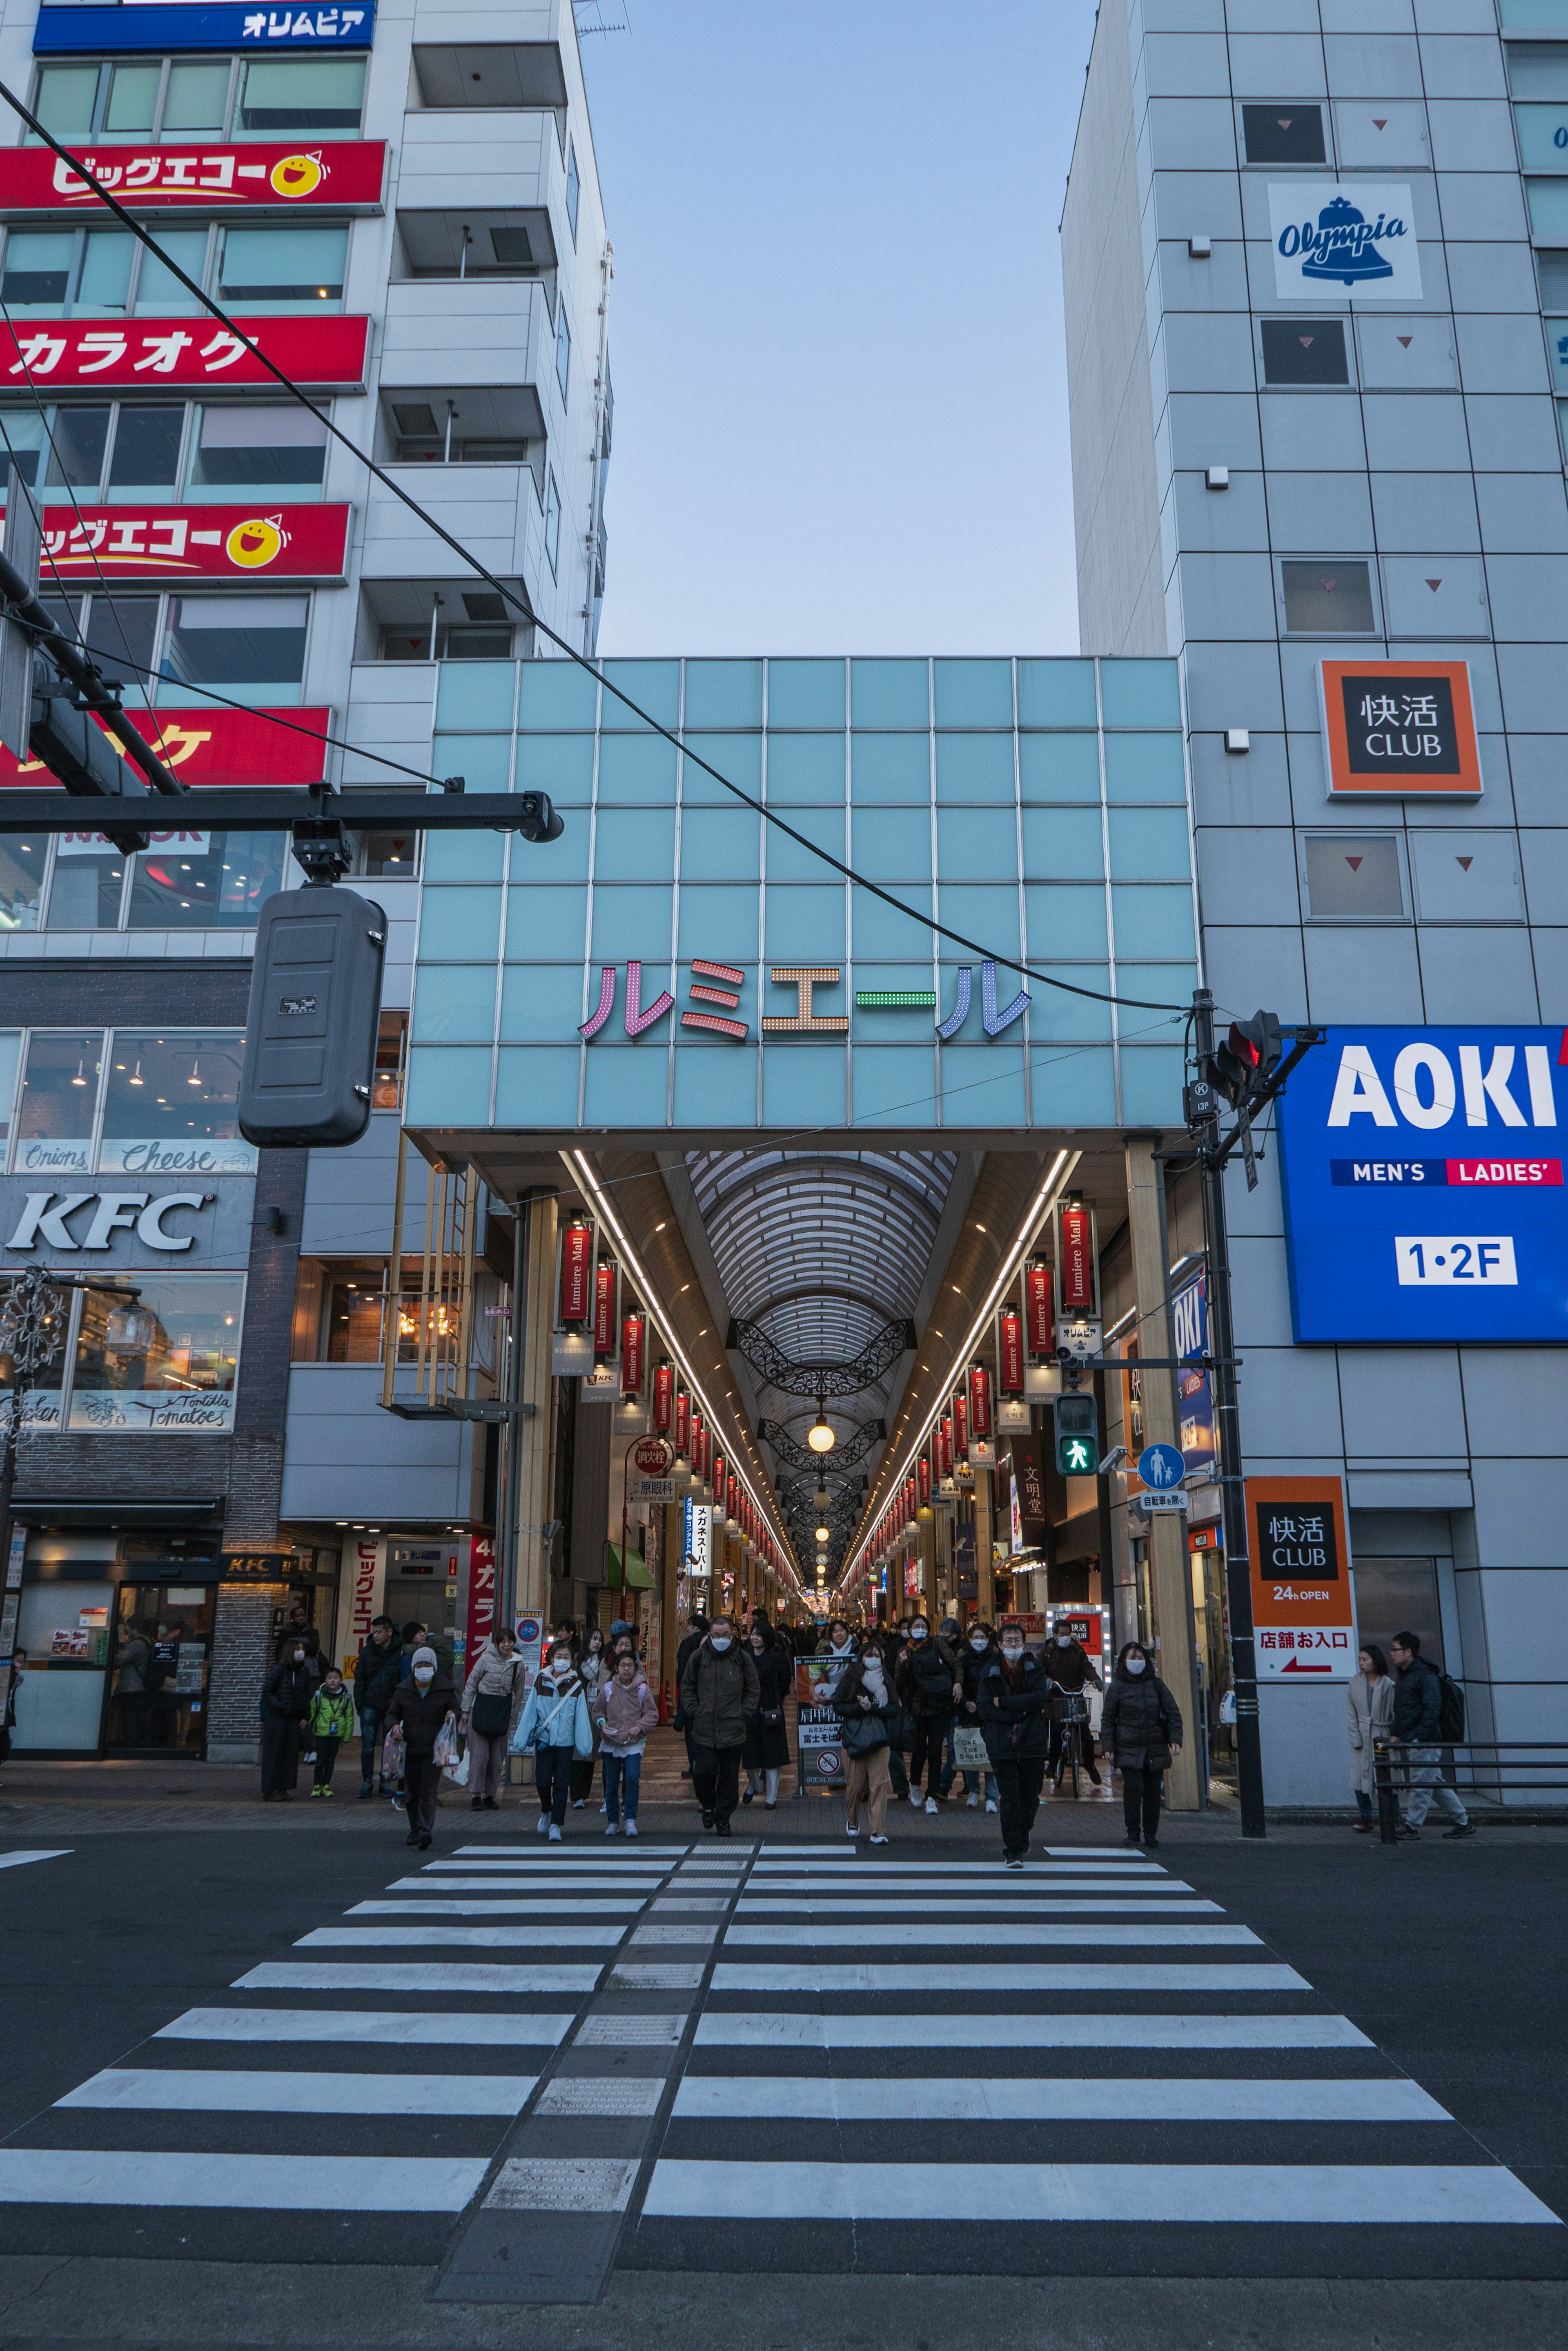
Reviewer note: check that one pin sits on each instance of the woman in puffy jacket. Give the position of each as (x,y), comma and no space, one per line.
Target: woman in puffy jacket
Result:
(554,1727)
(627,1710)
(489,1701)
(1140,1731)
(867,1703)
(931,1686)
(766,1750)
(1012,1697)
(424,1704)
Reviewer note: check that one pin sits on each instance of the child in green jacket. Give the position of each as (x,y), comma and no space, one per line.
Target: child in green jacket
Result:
(330,1721)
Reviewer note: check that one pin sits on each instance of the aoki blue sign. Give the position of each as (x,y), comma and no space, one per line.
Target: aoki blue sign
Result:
(1422,1173)
(1355,243)
(185,25)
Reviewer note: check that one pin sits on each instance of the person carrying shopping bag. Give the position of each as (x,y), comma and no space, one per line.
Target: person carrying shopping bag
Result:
(555,1729)
(489,1697)
(423,1707)
(627,1711)
(867,1703)
(329,1721)
(766,1750)
(1012,1697)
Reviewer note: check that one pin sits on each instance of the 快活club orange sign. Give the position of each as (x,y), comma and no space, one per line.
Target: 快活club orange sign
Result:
(1304,1613)
(1400,729)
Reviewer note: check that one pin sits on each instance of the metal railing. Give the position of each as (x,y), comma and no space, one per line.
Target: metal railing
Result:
(1494,1780)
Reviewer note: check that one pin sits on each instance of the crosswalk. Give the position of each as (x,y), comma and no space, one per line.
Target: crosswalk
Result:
(524,2065)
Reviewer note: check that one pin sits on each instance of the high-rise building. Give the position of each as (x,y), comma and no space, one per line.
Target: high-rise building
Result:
(406,216)
(1315,255)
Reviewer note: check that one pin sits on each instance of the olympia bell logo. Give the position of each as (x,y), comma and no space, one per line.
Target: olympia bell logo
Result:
(1353,243)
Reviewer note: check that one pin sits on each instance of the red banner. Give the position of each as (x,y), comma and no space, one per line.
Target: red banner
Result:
(631,1356)
(1009,1338)
(718,1483)
(94,543)
(481,1594)
(961,1426)
(345,174)
(923,1473)
(682,1424)
(699,1446)
(147,354)
(576,1252)
(603,1309)
(945,1448)
(978,1401)
(663,1399)
(1077,1261)
(214,747)
(1037,1294)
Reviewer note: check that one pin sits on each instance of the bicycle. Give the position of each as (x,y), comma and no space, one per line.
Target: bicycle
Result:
(1073,1723)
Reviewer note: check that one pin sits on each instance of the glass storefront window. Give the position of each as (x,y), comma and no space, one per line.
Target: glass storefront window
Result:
(164,1365)
(351,1314)
(88,886)
(207,882)
(59,1102)
(41,1399)
(169,1106)
(250,648)
(21,883)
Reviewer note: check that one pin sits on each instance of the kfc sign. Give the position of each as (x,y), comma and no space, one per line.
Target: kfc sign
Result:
(346,174)
(325,354)
(217,747)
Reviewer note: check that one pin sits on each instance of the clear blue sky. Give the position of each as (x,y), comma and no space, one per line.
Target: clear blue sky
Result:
(836,328)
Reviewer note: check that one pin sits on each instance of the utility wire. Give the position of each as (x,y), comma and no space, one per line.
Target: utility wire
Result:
(521,603)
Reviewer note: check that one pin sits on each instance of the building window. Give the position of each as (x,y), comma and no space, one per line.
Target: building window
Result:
(446,642)
(145,97)
(391,855)
(22,866)
(250,648)
(1354,878)
(301,94)
(168,1103)
(1285,134)
(574,190)
(338,1308)
(42,1405)
(553,523)
(1328,598)
(267,450)
(1305,351)
(186,882)
(165,1364)
(562,352)
(268,269)
(103,273)
(391,1060)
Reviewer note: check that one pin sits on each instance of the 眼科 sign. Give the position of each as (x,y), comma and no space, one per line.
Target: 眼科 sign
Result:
(1400,729)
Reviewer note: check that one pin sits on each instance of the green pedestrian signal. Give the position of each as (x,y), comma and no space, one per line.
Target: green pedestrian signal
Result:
(1077,1435)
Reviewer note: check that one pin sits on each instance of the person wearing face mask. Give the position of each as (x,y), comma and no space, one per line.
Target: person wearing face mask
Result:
(556,1730)
(719,1691)
(1068,1663)
(290,1686)
(1140,1731)
(1013,1697)
(978,1647)
(422,1705)
(866,1702)
(931,1686)
(596,1665)
(626,1711)
(766,1753)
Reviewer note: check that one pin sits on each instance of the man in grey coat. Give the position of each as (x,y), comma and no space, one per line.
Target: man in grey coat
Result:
(719,1690)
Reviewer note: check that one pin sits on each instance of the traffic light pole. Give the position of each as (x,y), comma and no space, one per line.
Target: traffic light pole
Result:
(1227,1416)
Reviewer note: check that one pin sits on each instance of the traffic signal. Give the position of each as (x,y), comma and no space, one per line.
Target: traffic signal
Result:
(1077,1435)
(316,1002)
(1247,1059)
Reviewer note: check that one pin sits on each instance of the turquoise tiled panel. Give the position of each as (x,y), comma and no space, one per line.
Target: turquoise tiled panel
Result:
(1065,918)
(806,767)
(466,857)
(1139,694)
(1055,1013)
(723,694)
(554,693)
(457,924)
(1149,844)
(804,925)
(483,761)
(457,1000)
(543,1001)
(987,916)
(545,921)
(448,1085)
(888,693)
(719,844)
(1074,1085)
(720,923)
(634,844)
(475,696)
(802,1084)
(561,765)
(637,767)
(1153,921)
(883,931)
(975,768)
(633,921)
(1062,845)
(1144,768)
(895,1085)
(974,693)
(738,758)
(626,1084)
(1151,1085)
(805,694)
(653,685)
(536,1085)
(716,1085)
(977,845)
(892,844)
(983,1084)
(1153,983)
(790,860)
(890,767)
(1059,767)
(1056,693)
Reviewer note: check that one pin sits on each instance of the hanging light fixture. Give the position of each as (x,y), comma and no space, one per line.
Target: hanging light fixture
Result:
(131,1329)
(822,1533)
(820,1436)
(80,1079)
(195,1077)
(136,1078)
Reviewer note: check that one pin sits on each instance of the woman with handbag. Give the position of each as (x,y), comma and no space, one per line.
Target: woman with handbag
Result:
(422,1707)
(595,1666)
(766,1750)
(929,1685)
(866,1702)
(1012,1697)
(1140,1731)
(488,1696)
(554,1727)
(970,1754)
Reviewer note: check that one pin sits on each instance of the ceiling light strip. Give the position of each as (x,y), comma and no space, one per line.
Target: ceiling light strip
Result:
(1045,1200)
